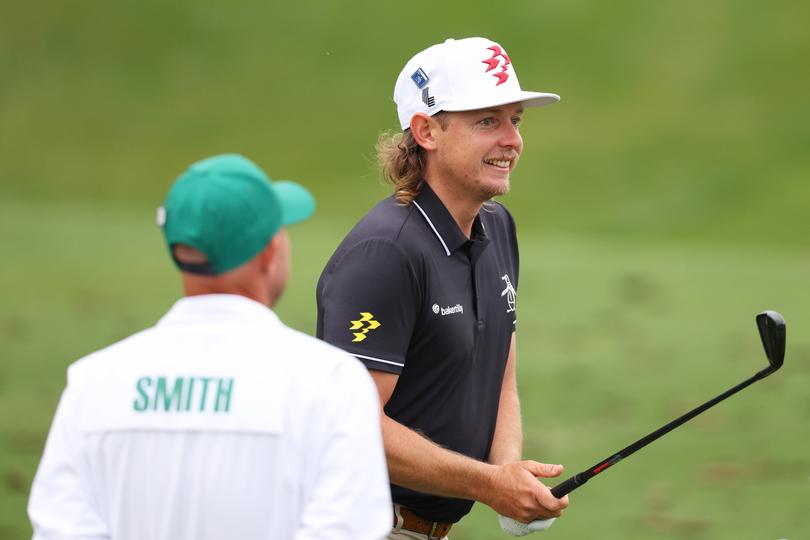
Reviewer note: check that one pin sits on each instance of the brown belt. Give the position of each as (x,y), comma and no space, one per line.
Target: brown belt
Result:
(412,522)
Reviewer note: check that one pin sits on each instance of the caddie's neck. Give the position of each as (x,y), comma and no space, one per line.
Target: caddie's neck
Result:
(262,279)
(194,285)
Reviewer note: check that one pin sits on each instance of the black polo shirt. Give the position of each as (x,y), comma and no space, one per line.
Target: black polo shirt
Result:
(406,292)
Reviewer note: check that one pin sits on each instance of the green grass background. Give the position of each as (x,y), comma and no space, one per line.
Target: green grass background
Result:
(660,205)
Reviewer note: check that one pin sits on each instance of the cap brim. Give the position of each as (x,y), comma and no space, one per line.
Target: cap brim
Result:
(528,99)
(297,203)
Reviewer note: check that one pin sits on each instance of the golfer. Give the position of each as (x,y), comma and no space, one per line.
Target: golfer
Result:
(218,422)
(423,291)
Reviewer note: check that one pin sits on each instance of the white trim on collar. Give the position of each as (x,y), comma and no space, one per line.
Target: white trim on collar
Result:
(446,250)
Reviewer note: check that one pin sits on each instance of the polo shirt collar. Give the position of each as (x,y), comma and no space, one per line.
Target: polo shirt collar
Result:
(442,223)
(217,308)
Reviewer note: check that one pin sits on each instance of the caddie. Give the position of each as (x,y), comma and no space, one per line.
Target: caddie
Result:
(219,421)
(423,291)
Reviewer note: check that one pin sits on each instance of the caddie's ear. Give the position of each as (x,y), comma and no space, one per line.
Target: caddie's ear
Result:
(423,129)
(279,265)
(268,254)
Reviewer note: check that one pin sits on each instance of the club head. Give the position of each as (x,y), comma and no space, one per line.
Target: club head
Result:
(772,331)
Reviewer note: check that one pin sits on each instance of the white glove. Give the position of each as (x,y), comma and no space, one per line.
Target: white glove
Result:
(516,528)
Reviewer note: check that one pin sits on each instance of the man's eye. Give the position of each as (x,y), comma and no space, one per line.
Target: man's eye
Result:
(487,121)
(516,121)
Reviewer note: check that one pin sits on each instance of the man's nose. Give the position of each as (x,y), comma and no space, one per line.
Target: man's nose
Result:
(510,137)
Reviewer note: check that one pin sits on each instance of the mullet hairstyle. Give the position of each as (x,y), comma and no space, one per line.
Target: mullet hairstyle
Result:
(402,161)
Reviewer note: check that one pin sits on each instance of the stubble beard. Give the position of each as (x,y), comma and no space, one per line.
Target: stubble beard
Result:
(496,191)
(470,185)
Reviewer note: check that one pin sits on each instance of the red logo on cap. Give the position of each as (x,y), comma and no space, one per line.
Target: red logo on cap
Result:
(493,61)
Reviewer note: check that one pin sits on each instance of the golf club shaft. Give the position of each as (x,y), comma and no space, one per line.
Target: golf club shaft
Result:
(569,485)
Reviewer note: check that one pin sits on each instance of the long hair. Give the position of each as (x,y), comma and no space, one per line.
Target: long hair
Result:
(403,162)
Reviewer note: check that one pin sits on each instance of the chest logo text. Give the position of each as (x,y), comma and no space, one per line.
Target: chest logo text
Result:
(449,310)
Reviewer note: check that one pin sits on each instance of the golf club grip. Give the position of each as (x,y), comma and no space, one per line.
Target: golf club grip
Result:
(566,487)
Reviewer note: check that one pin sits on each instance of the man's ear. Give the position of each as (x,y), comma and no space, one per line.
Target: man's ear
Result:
(423,129)
(268,254)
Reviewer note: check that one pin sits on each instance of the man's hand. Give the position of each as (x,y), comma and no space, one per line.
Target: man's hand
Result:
(516,493)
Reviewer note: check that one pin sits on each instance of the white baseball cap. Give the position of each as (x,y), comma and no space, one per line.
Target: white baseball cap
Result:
(460,75)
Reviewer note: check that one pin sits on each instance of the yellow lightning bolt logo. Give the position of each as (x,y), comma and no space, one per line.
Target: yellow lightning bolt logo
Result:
(365,317)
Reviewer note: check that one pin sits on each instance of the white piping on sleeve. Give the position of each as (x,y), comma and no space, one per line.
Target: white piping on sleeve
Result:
(378,360)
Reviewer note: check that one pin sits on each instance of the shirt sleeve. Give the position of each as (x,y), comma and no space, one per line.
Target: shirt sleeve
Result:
(367,304)
(513,244)
(348,495)
(510,232)
(60,506)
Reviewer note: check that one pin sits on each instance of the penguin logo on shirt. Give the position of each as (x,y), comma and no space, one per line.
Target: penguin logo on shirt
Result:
(510,294)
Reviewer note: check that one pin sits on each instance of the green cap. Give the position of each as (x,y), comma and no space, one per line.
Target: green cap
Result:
(226,207)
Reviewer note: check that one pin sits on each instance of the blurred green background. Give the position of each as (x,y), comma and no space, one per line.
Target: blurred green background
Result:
(660,206)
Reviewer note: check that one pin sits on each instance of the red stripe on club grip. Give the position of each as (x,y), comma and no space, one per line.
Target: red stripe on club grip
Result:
(602,467)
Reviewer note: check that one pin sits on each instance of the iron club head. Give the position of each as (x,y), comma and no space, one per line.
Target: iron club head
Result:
(771,327)
(772,331)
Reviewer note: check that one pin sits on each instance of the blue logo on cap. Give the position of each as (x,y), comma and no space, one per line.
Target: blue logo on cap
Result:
(420,78)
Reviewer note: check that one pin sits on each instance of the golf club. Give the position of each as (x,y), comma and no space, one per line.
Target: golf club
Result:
(772,332)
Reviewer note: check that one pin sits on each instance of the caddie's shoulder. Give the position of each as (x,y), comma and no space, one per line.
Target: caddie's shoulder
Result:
(94,365)
(317,356)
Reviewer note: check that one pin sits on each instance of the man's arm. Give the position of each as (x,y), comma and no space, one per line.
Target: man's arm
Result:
(507,445)
(415,462)
(347,493)
(59,506)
